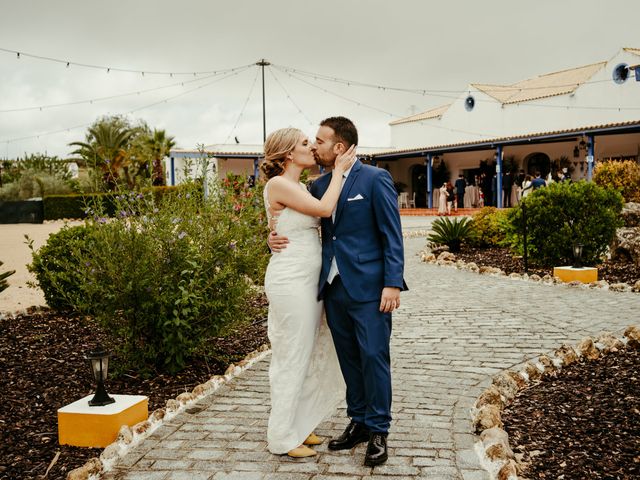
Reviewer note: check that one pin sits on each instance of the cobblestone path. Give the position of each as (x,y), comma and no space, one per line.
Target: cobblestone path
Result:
(454,331)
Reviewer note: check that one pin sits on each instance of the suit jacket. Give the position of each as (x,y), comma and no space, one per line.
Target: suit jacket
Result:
(366,236)
(461,184)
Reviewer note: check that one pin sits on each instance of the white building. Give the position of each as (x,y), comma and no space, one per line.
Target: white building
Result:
(573,118)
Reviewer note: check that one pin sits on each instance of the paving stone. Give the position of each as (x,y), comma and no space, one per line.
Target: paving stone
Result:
(455,330)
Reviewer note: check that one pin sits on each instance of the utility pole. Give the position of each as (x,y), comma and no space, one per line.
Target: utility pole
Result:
(263,63)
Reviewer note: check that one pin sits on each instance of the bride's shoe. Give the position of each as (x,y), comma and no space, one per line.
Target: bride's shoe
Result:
(313,439)
(302,452)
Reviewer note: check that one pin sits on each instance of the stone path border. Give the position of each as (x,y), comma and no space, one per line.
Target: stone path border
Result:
(448,259)
(493,449)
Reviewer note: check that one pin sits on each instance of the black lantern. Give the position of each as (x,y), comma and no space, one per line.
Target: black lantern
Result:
(577,255)
(99,363)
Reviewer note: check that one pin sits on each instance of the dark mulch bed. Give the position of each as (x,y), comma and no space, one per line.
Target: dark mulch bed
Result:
(611,271)
(42,369)
(583,423)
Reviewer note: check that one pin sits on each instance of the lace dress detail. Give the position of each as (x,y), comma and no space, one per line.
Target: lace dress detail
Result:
(305,380)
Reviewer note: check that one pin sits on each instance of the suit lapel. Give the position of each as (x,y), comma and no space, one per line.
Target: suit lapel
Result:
(344,194)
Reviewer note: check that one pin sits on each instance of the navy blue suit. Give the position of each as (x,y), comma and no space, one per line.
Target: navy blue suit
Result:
(366,240)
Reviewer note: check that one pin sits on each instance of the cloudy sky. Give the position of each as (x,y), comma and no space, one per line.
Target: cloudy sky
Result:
(414,44)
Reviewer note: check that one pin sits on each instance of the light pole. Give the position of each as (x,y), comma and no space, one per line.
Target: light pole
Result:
(263,63)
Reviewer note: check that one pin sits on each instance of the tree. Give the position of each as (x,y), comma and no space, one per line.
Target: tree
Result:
(159,145)
(106,147)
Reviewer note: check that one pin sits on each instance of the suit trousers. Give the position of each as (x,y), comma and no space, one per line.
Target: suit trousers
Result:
(361,334)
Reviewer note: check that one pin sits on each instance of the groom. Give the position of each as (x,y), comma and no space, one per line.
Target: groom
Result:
(360,283)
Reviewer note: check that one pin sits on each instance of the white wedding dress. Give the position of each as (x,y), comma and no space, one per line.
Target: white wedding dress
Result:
(305,379)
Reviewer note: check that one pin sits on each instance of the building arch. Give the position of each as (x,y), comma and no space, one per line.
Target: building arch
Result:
(537,161)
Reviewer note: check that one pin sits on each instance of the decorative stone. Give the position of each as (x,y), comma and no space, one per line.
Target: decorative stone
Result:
(619,287)
(632,333)
(491,396)
(264,348)
(499,451)
(609,342)
(185,397)
(532,371)
(547,363)
(506,385)
(484,270)
(110,453)
(587,349)
(157,415)
(429,258)
(515,275)
(508,471)
(472,267)
(631,214)
(229,370)
(92,467)
(567,354)
(517,378)
(438,249)
(172,405)
(141,427)
(626,244)
(535,277)
(636,286)
(447,256)
(487,417)
(547,278)
(125,435)
(199,390)
(494,435)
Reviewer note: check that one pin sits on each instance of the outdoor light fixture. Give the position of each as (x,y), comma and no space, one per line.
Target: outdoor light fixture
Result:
(576,152)
(99,362)
(577,255)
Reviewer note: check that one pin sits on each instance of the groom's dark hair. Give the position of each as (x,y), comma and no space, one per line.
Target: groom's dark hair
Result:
(345,131)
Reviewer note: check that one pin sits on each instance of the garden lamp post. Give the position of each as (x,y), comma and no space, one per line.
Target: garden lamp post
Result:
(577,255)
(99,362)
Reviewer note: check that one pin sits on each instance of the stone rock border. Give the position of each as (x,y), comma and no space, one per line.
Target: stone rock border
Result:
(448,259)
(129,437)
(493,449)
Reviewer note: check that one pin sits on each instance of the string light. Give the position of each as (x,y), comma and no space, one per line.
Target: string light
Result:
(289,97)
(253,84)
(68,129)
(110,97)
(103,67)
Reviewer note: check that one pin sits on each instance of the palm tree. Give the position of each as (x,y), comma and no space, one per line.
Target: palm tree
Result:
(106,147)
(159,145)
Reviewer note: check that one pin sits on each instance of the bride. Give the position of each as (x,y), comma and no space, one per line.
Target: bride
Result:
(305,379)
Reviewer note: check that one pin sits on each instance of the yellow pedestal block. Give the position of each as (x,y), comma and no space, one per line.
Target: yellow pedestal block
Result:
(573,274)
(84,426)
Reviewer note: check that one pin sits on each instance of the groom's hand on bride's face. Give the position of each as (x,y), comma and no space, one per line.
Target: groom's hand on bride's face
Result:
(276,242)
(390,299)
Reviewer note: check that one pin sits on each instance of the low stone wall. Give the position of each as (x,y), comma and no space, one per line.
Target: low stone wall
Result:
(493,448)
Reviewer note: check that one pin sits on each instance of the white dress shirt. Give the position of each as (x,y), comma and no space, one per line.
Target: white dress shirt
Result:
(333,271)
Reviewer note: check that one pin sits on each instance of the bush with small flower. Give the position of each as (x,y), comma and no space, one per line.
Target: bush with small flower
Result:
(164,274)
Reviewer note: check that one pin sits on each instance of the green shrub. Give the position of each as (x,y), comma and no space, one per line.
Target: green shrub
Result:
(3,278)
(163,277)
(57,266)
(622,176)
(563,214)
(489,227)
(75,205)
(451,232)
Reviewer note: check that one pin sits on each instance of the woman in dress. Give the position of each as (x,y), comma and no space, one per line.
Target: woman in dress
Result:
(442,199)
(305,379)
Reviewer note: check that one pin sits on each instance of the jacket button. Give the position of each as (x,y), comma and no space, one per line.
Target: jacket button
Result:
(334,238)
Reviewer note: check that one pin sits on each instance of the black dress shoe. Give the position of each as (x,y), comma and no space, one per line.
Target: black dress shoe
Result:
(354,434)
(376,450)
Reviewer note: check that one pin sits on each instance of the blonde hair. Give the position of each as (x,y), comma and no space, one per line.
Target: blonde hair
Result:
(278,145)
